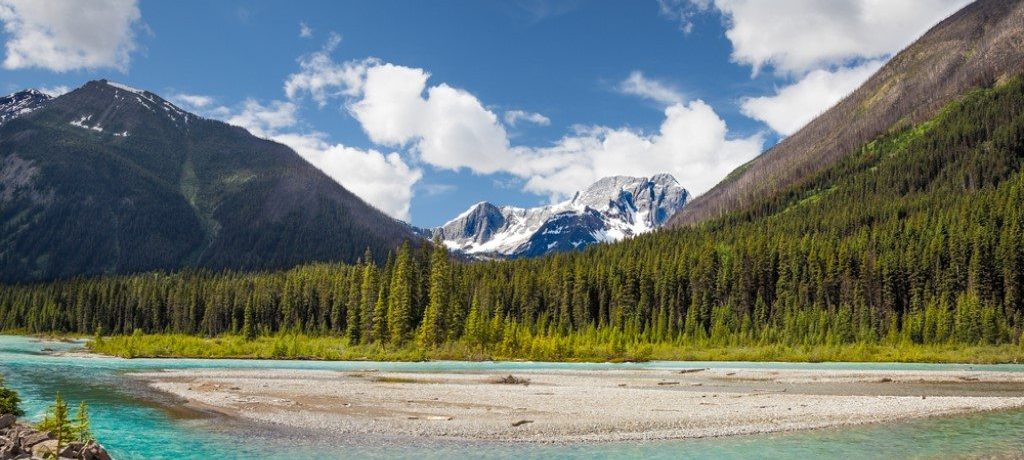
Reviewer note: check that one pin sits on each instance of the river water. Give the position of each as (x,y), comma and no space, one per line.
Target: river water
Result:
(133,422)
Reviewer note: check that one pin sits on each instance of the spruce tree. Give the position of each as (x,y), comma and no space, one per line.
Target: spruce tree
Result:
(432,329)
(400,297)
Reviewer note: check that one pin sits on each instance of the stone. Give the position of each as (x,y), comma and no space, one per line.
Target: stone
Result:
(30,439)
(45,449)
(93,451)
(7,420)
(8,451)
(71,450)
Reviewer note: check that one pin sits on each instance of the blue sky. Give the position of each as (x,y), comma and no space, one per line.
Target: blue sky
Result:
(426,107)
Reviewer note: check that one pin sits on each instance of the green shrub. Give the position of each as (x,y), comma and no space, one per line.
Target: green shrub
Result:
(10,402)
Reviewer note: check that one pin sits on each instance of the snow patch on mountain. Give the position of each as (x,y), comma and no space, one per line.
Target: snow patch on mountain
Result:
(83,123)
(611,209)
(21,103)
(151,102)
(126,87)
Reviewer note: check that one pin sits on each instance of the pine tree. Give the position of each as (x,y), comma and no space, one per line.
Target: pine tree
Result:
(58,423)
(432,330)
(248,327)
(400,297)
(368,301)
(10,402)
(82,426)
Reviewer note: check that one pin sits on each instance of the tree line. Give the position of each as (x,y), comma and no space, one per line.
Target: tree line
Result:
(915,237)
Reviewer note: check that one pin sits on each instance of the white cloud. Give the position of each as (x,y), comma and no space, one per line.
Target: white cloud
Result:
(193,101)
(797,36)
(822,49)
(450,128)
(682,11)
(265,120)
(793,106)
(692,143)
(438,189)
(639,85)
(322,78)
(54,91)
(382,180)
(515,116)
(63,35)
(305,31)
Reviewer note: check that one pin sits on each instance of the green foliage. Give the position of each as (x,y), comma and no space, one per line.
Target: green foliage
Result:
(518,344)
(432,329)
(10,402)
(58,422)
(81,425)
(911,248)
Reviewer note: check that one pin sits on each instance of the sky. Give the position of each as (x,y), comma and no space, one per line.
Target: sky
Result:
(423,108)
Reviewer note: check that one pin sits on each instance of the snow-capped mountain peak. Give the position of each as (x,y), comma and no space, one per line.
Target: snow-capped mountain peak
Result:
(21,103)
(610,209)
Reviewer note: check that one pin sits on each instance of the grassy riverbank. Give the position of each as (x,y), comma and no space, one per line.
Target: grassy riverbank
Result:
(301,346)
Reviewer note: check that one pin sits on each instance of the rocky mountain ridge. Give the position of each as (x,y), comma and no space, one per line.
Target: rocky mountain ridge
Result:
(610,209)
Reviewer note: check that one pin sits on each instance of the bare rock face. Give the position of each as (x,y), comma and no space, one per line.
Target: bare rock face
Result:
(608,210)
(7,420)
(45,449)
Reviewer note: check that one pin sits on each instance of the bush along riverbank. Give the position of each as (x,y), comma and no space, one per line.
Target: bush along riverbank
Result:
(594,346)
(57,436)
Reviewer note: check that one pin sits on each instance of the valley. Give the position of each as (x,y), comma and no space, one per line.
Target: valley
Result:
(810,245)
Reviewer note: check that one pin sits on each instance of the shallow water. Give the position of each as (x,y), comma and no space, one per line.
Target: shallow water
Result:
(131,424)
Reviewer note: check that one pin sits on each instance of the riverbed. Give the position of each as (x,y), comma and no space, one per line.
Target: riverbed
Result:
(135,421)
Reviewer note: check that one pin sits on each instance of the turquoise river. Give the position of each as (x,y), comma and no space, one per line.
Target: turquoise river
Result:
(134,423)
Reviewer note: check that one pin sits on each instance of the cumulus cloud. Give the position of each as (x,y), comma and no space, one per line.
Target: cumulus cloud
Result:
(447,127)
(450,128)
(265,120)
(798,36)
(692,143)
(793,106)
(383,180)
(305,31)
(822,50)
(64,35)
(196,101)
(321,78)
(639,85)
(512,117)
(54,91)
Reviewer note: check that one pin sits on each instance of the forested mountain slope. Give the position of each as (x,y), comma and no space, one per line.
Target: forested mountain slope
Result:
(109,179)
(913,238)
(977,46)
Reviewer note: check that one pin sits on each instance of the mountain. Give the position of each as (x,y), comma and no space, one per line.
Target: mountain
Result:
(977,46)
(610,209)
(112,179)
(21,103)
